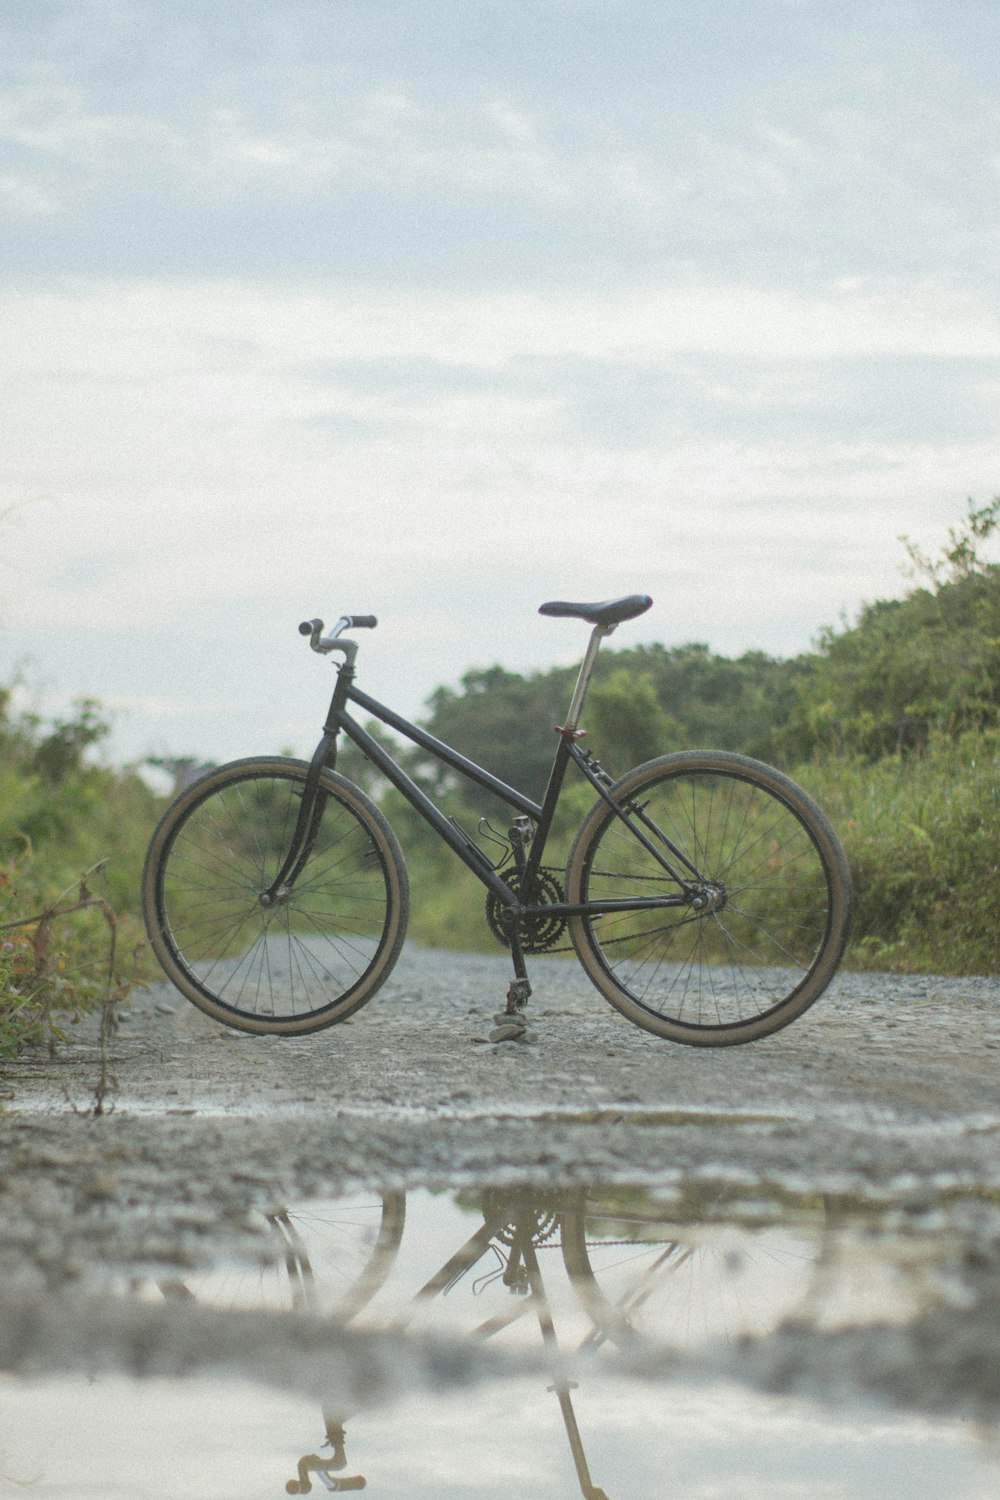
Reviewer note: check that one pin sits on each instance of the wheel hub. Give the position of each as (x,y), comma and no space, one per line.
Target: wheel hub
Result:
(281,895)
(709,898)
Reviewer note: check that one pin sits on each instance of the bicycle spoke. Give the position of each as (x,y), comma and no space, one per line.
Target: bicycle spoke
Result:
(760,918)
(308,949)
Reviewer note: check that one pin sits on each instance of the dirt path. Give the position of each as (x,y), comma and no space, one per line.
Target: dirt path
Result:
(888,1085)
(886,1093)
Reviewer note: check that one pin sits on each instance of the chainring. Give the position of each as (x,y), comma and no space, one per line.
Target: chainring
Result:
(509,1214)
(539,932)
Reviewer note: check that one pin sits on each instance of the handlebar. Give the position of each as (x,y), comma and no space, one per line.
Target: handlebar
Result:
(326,643)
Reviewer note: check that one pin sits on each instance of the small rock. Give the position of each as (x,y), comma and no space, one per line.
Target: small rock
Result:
(508,1031)
(100,1187)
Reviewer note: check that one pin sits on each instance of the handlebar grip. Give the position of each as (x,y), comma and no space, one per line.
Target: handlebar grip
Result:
(354,622)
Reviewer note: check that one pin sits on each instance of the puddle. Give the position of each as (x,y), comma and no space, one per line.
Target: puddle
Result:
(617,1321)
(618,1265)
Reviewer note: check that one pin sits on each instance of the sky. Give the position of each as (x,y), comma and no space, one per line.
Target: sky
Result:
(439,310)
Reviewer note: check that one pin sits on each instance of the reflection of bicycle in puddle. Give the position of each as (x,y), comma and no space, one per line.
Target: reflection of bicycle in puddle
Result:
(611,1270)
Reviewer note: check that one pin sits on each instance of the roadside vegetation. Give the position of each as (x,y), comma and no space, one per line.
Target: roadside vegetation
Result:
(892,722)
(71,840)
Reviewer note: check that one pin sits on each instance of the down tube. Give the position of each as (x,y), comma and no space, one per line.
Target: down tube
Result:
(468,852)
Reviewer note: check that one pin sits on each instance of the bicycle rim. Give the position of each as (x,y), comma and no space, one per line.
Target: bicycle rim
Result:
(643,1273)
(779,915)
(308,960)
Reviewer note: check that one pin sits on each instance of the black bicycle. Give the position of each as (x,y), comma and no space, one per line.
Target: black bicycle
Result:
(706,895)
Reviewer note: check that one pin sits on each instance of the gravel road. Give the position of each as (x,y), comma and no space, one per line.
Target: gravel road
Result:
(885,1096)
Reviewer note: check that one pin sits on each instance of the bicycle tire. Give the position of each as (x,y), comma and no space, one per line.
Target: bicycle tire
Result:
(325,1258)
(642,1275)
(301,964)
(748,967)
(337,1255)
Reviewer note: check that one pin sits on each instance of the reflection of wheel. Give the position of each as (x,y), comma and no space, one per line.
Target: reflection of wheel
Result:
(767,908)
(338,1255)
(328,1258)
(312,957)
(641,1274)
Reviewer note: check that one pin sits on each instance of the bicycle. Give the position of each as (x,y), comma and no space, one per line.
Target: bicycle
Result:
(706,895)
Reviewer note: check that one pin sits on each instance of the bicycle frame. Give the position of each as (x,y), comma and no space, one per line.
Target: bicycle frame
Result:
(691,887)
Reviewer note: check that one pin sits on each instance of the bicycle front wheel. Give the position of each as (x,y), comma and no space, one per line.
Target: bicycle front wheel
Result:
(642,1271)
(769,910)
(306,961)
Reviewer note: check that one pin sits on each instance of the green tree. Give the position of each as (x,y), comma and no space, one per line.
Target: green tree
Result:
(910,667)
(626,721)
(504,722)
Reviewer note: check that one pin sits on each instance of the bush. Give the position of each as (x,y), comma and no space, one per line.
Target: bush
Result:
(60,818)
(909,668)
(922,835)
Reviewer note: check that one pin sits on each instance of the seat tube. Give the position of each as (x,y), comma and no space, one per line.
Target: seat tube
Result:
(567,732)
(584,675)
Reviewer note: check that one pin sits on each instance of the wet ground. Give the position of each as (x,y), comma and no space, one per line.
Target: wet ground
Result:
(645,1269)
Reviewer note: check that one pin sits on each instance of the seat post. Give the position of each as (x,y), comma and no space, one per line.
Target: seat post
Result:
(583,678)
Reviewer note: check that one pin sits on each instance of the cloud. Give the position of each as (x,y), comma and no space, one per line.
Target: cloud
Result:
(480,146)
(228,400)
(383,140)
(23,199)
(219,450)
(444,309)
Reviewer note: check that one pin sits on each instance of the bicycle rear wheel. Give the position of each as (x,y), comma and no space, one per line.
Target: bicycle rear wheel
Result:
(772,930)
(306,961)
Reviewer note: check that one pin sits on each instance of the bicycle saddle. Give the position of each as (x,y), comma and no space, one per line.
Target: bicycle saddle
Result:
(611,612)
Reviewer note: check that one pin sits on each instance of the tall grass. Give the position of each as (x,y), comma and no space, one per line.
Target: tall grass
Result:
(71,851)
(922,835)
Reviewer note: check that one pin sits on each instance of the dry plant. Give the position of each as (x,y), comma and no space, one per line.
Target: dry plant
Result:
(43,986)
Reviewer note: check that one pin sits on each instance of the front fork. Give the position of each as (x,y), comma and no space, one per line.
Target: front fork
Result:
(306,825)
